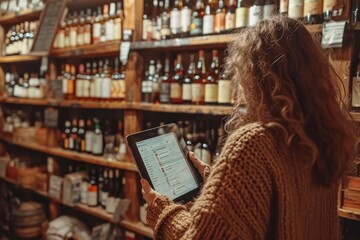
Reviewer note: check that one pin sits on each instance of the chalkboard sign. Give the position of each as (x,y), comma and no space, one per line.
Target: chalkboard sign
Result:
(48,25)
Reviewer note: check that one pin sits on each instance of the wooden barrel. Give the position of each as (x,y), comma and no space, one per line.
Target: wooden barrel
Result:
(26,219)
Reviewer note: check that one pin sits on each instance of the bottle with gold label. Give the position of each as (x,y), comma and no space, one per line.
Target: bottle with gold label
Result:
(119,21)
(313,11)
(176,82)
(211,85)
(230,18)
(87,27)
(74,30)
(209,18)
(220,15)
(242,14)
(296,9)
(196,27)
(198,84)
(96,27)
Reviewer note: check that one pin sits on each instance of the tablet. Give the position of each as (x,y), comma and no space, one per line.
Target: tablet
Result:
(161,155)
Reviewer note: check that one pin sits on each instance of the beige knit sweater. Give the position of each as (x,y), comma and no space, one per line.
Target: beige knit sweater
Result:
(254,191)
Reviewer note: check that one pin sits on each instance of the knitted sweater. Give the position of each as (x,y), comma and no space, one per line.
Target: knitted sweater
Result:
(254,191)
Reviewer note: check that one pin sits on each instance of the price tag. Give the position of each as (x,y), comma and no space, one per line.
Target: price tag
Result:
(51,117)
(333,34)
(120,210)
(124,52)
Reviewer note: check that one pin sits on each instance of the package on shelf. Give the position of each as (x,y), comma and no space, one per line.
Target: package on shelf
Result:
(27,175)
(67,227)
(71,187)
(55,186)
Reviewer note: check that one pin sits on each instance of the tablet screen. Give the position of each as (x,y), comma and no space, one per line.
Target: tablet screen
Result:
(167,166)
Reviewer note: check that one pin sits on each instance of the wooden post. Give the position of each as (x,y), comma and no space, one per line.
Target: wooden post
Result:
(133,10)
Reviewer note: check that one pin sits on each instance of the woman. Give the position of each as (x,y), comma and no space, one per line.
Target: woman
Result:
(278,174)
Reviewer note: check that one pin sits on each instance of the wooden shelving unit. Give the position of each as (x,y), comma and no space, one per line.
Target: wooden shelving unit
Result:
(18,58)
(25,15)
(356,116)
(93,50)
(75,156)
(349,214)
(98,212)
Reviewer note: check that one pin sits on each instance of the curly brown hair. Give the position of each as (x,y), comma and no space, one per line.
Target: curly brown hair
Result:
(290,87)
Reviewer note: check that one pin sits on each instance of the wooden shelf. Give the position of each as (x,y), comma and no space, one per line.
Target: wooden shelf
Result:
(94,50)
(204,41)
(24,15)
(18,58)
(356,116)
(94,104)
(98,212)
(25,101)
(349,214)
(181,108)
(75,156)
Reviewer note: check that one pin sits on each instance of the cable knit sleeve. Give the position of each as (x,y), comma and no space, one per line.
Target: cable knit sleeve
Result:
(235,201)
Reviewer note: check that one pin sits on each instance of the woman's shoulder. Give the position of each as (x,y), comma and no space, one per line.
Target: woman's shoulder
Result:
(251,133)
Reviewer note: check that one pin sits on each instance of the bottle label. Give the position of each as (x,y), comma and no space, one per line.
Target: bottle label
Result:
(175,91)
(284,5)
(83,192)
(296,8)
(103,197)
(79,88)
(356,92)
(96,32)
(118,29)
(312,7)
(197,92)
(211,93)
(110,33)
(106,88)
(256,13)
(224,93)
(219,22)
(329,4)
(230,21)
(269,10)
(92,195)
(164,92)
(64,86)
(146,23)
(98,87)
(86,88)
(205,156)
(196,26)
(92,89)
(242,17)
(186,92)
(103,32)
(185,19)
(88,141)
(87,38)
(66,143)
(80,39)
(208,24)
(67,41)
(61,39)
(175,21)
(73,37)
(71,143)
(97,144)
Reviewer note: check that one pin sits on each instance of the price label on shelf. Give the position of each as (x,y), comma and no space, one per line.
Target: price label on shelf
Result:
(333,34)
(51,117)
(124,52)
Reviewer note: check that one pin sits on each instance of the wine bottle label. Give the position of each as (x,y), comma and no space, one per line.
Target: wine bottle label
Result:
(87,38)
(230,21)
(356,92)
(175,91)
(328,5)
(96,32)
(269,10)
(296,8)
(219,22)
(312,7)
(92,89)
(83,192)
(284,5)
(175,21)
(196,26)
(242,15)
(92,195)
(66,143)
(104,197)
(197,92)
(103,32)
(224,93)
(98,87)
(208,24)
(211,93)
(88,141)
(117,29)
(64,86)
(97,144)
(82,145)
(155,31)
(70,85)
(185,19)
(256,13)
(164,92)
(205,156)
(106,88)
(145,29)
(71,143)
(80,39)
(186,92)
(110,33)
(79,88)
(61,39)
(73,37)
(86,88)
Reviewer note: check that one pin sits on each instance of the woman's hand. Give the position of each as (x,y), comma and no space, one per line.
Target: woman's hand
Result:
(148,193)
(200,165)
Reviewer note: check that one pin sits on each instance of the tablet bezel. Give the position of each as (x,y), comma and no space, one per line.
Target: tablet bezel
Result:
(132,139)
